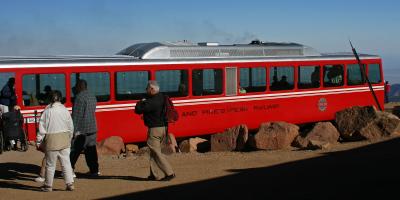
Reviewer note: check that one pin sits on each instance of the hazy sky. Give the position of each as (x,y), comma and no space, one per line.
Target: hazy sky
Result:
(49,27)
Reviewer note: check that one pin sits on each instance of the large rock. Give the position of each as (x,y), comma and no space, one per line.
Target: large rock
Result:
(358,123)
(350,121)
(191,145)
(113,145)
(274,135)
(321,136)
(389,123)
(231,139)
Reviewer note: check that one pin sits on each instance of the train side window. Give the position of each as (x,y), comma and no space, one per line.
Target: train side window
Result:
(36,88)
(374,73)
(281,78)
(309,77)
(4,77)
(207,82)
(98,83)
(252,80)
(354,74)
(131,85)
(174,83)
(333,75)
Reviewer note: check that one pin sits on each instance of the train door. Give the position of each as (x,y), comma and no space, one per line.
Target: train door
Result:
(231,81)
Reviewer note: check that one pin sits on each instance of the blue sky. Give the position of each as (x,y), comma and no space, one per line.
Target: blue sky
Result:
(103,27)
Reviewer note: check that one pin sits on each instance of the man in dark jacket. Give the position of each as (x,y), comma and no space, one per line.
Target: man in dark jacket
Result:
(85,128)
(153,115)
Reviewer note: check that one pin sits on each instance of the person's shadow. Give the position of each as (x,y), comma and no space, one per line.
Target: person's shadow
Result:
(12,171)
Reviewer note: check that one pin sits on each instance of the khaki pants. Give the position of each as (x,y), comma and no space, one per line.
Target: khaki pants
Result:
(51,161)
(159,166)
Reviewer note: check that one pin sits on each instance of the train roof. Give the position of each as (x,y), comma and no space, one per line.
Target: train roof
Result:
(187,50)
(167,52)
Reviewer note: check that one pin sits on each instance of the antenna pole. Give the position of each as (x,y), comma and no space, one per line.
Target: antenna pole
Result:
(365,76)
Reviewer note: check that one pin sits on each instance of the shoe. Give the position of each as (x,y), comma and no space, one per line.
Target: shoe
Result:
(46,188)
(70,187)
(168,178)
(39,179)
(94,174)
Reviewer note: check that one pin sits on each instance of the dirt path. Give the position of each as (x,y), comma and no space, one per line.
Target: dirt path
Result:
(345,170)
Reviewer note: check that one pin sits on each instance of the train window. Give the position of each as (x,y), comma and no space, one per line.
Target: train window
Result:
(36,88)
(309,77)
(253,80)
(4,78)
(174,83)
(354,74)
(98,83)
(131,85)
(374,73)
(281,78)
(333,75)
(207,82)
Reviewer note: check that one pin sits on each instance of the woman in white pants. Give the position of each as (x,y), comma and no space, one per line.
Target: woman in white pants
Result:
(55,131)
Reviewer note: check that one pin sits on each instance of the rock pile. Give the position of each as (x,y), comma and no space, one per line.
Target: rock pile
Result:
(358,123)
(355,123)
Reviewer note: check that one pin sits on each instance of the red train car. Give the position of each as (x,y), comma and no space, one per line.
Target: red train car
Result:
(213,86)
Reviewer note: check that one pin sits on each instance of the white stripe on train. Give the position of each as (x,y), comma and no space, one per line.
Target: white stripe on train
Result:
(131,106)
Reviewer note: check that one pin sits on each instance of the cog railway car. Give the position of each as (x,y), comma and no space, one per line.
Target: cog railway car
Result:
(213,86)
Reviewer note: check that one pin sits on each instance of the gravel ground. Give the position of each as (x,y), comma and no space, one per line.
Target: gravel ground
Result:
(344,170)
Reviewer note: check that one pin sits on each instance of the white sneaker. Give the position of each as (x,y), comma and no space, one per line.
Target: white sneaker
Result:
(73,174)
(39,179)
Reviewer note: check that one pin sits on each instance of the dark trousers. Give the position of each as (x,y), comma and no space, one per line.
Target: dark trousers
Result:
(86,143)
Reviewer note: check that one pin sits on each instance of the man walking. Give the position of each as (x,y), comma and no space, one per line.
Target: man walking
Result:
(153,115)
(85,128)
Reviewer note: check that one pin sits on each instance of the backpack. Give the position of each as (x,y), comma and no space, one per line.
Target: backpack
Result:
(170,113)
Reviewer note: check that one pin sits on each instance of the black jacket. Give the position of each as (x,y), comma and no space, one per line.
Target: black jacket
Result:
(152,109)
(12,125)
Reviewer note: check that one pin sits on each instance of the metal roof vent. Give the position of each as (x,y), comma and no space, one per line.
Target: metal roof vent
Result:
(187,50)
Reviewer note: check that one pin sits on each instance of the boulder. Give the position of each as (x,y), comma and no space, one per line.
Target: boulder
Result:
(274,135)
(322,135)
(389,123)
(358,123)
(191,145)
(231,139)
(351,120)
(113,145)
(318,144)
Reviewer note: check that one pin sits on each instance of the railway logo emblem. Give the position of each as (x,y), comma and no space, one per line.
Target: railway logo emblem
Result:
(322,104)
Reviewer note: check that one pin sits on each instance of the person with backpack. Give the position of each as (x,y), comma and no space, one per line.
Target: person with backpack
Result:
(153,109)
